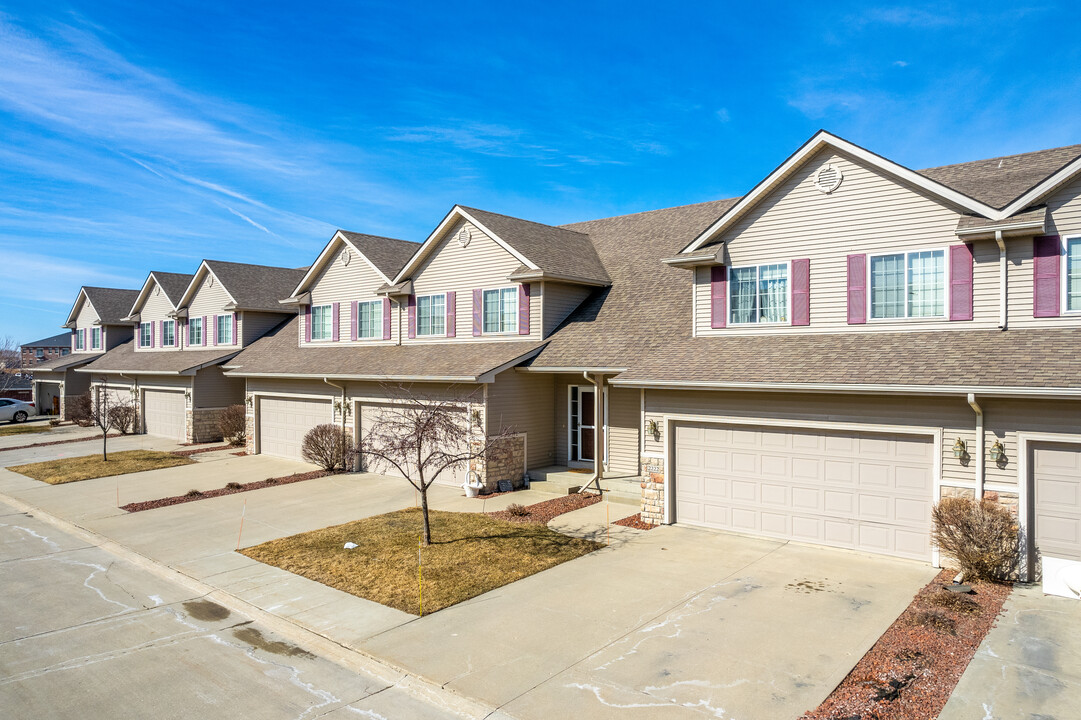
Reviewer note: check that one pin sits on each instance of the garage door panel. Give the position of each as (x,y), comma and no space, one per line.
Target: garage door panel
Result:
(163,414)
(284,421)
(1056,483)
(824,489)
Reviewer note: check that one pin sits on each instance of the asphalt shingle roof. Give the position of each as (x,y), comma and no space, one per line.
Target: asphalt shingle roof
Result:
(124,358)
(278,352)
(61,340)
(64,362)
(387,254)
(257,287)
(172,284)
(998,181)
(112,304)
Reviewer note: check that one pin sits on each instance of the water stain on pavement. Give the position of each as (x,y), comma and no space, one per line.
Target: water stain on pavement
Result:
(253,637)
(206,610)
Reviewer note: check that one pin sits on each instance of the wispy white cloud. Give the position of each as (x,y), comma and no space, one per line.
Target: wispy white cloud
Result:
(49,278)
(723,115)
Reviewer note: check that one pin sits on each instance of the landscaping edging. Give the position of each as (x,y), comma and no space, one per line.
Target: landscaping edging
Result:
(61,442)
(196,451)
(218,492)
(635,521)
(912,670)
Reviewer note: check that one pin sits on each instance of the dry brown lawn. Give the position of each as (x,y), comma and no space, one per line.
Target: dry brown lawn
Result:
(470,554)
(65,470)
(23,429)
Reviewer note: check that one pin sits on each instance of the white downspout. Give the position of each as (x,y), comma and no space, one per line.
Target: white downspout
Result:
(1002,287)
(979,444)
(342,388)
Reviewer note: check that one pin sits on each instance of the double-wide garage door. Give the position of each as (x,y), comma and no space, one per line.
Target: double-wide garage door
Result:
(866,491)
(283,423)
(371,415)
(163,412)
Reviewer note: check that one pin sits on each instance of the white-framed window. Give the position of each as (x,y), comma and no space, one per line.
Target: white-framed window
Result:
(39,353)
(65,351)
(1071,302)
(322,322)
(432,314)
(907,285)
(195,331)
(79,340)
(95,338)
(759,294)
(370,319)
(225,329)
(168,333)
(500,310)
(145,334)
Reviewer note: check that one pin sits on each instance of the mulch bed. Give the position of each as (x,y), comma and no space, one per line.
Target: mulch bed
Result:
(61,442)
(242,453)
(196,451)
(540,513)
(240,487)
(911,671)
(634,521)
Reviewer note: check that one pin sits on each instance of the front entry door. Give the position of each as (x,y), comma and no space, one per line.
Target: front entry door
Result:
(583,423)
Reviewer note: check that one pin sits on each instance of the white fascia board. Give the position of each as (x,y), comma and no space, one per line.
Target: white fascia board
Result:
(376,378)
(437,235)
(490,375)
(73,313)
(1037,225)
(1042,189)
(823,139)
(185,299)
(573,370)
(850,388)
(143,292)
(325,256)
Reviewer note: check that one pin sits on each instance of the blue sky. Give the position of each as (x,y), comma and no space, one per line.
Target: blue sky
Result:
(138,136)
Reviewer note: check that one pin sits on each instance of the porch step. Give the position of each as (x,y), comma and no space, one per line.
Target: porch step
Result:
(559,480)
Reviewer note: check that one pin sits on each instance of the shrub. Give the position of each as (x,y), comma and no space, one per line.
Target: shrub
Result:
(122,418)
(956,602)
(233,485)
(982,536)
(81,410)
(55,423)
(193,493)
(328,447)
(935,620)
(232,425)
(517,510)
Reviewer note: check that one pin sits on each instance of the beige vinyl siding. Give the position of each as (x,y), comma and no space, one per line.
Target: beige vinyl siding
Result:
(624,411)
(113,335)
(562,383)
(524,403)
(869,213)
(85,320)
(254,325)
(560,300)
(1065,219)
(345,283)
(213,390)
(209,300)
(484,264)
(156,308)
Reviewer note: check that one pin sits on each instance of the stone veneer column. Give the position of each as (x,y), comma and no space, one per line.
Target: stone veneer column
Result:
(652,490)
(249,423)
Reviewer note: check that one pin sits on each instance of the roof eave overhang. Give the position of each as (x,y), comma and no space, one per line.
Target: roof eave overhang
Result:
(823,139)
(987,232)
(304,298)
(542,276)
(690,261)
(575,370)
(239,372)
(395,289)
(854,388)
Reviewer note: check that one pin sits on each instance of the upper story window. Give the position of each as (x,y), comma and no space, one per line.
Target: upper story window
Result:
(432,314)
(79,335)
(64,351)
(225,329)
(195,331)
(322,322)
(501,310)
(168,333)
(370,319)
(759,294)
(39,353)
(908,285)
(1073,275)
(145,335)
(95,338)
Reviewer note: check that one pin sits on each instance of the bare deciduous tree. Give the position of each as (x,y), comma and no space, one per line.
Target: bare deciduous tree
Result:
(423,436)
(10,363)
(105,415)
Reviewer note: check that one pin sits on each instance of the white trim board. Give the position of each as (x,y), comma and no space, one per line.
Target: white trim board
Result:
(1024,488)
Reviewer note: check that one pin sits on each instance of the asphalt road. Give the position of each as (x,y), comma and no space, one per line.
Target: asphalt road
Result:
(87,635)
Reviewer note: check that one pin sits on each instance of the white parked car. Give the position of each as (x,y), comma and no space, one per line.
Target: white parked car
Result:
(16,410)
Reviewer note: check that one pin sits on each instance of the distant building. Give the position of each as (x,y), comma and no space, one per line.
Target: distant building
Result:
(48,348)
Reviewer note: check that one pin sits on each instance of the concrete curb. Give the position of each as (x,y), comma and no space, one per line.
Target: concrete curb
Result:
(350,658)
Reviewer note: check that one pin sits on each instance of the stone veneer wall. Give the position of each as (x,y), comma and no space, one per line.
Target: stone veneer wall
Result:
(652,490)
(249,423)
(504,462)
(203,425)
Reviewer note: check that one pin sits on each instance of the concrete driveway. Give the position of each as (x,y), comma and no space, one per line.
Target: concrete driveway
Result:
(1028,666)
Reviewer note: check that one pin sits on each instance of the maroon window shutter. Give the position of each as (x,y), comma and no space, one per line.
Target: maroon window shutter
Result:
(718,293)
(353,320)
(236,330)
(478,311)
(412,316)
(1045,276)
(857,289)
(335,315)
(961,282)
(452,314)
(386,318)
(307,323)
(801,292)
(523,309)
(206,330)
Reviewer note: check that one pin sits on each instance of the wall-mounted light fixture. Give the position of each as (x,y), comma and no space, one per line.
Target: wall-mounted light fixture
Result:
(959,449)
(997,451)
(651,427)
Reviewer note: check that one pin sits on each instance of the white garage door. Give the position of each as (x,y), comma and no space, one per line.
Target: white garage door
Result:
(370,415)
(864,491)
(1056,480)
(283,423)
(163,412)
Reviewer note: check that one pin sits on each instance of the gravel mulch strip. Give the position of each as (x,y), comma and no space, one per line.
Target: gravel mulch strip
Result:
(242,453)
(196,451)
(240,487)
(634,521)
(60,442)
(540,513)
(911,671)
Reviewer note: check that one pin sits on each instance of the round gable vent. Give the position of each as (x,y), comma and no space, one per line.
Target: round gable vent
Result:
(344,257)
(828,179)
(210,281)
(464,237)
